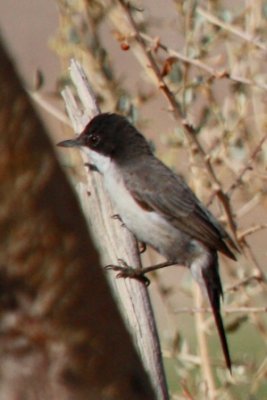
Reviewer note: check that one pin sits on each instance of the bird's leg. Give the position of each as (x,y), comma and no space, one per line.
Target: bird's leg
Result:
(125,271)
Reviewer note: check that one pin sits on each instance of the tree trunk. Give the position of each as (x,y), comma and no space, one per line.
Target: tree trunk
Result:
(61,334)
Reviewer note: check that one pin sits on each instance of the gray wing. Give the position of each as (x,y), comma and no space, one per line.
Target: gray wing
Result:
(176,202)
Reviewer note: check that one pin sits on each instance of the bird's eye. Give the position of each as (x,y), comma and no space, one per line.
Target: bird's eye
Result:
(93,140)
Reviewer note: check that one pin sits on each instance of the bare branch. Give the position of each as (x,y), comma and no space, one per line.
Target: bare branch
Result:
(156,43)
(60,328)
(116,242)
(179,116)
(230,28)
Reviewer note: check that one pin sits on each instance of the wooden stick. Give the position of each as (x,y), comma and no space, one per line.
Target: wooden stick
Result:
(114,242)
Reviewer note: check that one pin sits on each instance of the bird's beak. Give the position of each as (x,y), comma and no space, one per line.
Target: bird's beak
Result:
(76,142)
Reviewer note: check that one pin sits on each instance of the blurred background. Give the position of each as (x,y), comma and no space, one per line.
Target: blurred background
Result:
(212,57)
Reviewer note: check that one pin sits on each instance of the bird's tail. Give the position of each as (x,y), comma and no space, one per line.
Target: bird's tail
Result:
(213,285)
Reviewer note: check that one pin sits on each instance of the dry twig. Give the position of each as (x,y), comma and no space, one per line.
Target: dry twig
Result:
(230,28)
(116,242)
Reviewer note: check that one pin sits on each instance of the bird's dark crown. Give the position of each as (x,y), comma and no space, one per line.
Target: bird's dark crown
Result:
(111,134)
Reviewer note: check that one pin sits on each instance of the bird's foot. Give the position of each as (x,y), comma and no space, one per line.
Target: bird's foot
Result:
(125,271)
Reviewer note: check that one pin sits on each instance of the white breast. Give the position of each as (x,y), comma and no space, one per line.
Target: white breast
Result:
(148,227)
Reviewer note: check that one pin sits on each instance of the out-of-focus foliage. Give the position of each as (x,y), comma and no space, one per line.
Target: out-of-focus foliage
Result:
(211,55)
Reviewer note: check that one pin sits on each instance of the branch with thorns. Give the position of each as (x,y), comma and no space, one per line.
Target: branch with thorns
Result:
(156,43)
(189,130)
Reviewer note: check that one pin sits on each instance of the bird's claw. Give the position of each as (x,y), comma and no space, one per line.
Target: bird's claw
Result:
(142,247)
(117,216)
(91,167)
(125,271)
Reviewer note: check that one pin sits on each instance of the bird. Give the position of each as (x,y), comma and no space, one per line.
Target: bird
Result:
(157,206)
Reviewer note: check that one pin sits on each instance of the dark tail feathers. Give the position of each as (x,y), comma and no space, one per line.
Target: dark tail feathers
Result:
(214,289)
